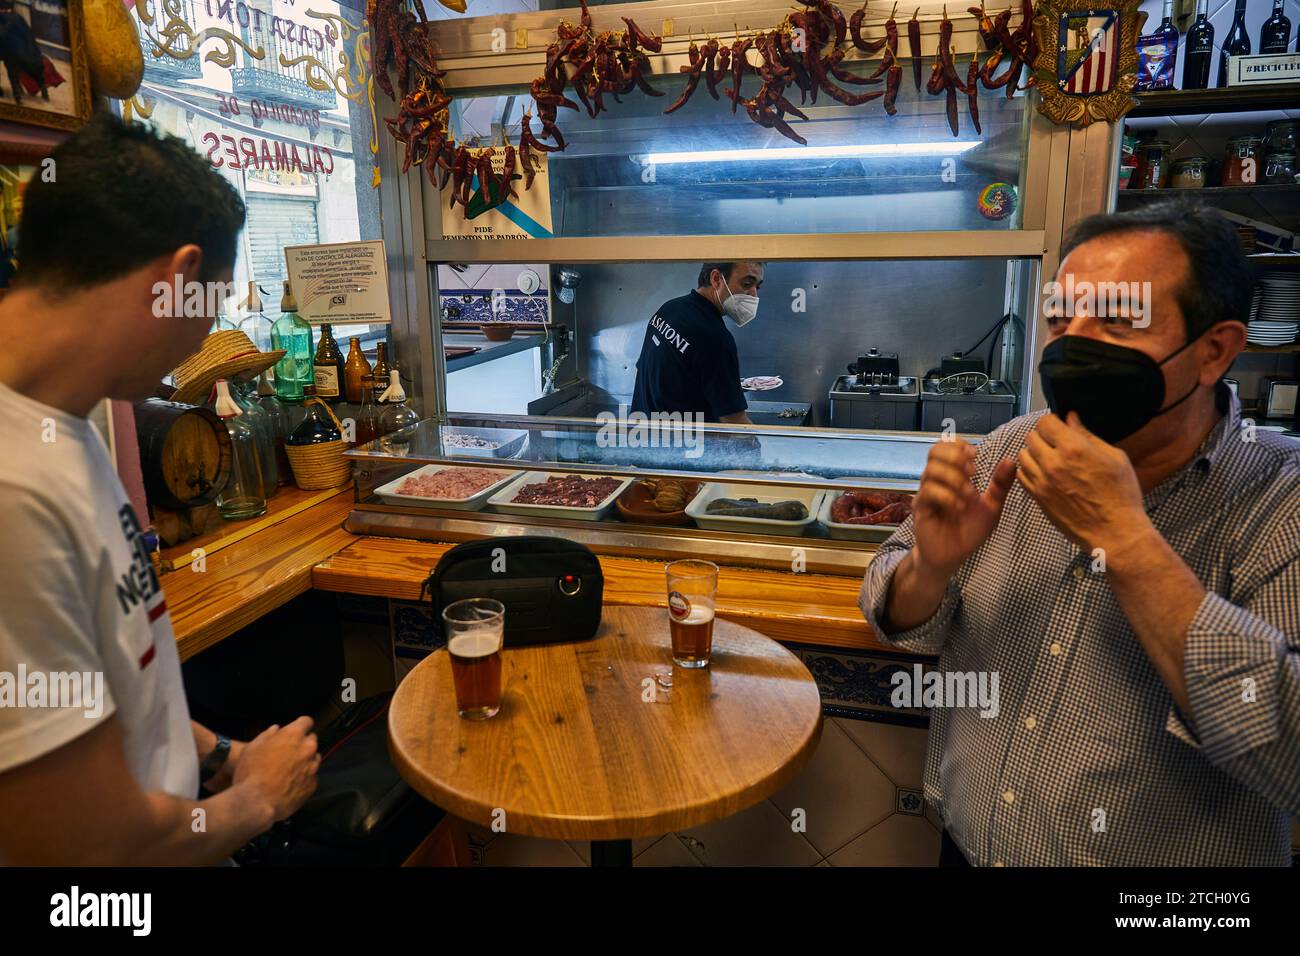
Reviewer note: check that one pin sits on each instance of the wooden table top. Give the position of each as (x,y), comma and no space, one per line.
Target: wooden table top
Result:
(576,752)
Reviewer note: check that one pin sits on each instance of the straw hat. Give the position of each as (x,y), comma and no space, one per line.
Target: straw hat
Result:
(223,354)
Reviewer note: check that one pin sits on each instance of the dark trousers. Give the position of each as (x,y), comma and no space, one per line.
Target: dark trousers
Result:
(950,854)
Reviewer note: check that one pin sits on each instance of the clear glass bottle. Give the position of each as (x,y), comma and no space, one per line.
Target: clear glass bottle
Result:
(291,333)
(279,425)
(1237,43)
(1200,50)
(397,418)
(255,323)
(244,393)
(241,496)
(1275,33)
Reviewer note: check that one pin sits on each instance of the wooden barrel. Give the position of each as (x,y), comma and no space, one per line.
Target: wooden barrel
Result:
(184,453)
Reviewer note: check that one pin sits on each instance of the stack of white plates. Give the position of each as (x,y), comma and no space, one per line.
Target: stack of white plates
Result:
(1275,312)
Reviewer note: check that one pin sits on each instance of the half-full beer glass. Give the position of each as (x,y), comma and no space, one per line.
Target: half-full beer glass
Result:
(692,588)
(475,628)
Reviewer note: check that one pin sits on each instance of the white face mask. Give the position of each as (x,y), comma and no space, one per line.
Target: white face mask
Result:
(738,306)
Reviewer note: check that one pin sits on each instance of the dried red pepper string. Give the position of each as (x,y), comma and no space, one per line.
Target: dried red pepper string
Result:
(914,46)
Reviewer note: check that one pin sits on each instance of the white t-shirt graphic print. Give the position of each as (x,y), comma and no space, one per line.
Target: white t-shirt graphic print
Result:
(78,594)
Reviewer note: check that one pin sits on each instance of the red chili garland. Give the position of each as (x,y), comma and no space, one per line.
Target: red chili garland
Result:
(595,65)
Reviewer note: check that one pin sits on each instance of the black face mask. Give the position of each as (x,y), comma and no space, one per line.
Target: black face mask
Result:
(1115,389)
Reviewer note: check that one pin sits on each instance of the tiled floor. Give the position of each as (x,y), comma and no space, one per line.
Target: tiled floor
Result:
(846,804)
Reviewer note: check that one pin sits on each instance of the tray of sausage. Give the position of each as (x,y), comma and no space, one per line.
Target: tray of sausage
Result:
(861,514)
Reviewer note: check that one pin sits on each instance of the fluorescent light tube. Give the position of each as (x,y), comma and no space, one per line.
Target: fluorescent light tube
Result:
(941,148)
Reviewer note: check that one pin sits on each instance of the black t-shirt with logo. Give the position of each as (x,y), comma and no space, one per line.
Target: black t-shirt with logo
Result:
(688,362)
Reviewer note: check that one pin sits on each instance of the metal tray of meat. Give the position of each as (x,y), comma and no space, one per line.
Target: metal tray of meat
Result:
(811,497)
(388,493)
(853,532)
(502,500)
(512,441)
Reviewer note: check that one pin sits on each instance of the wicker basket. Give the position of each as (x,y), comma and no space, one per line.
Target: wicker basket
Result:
(316,467)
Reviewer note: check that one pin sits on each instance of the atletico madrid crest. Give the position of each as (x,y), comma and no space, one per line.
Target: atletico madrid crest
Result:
(1087,64)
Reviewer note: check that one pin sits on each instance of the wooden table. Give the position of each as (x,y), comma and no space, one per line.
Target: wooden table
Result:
(578,751)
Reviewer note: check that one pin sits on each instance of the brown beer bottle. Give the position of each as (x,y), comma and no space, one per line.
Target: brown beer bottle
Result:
(355,373)
(381,369)
(328,367)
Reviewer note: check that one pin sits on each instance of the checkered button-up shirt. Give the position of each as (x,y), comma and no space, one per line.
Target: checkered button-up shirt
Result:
(1088,760)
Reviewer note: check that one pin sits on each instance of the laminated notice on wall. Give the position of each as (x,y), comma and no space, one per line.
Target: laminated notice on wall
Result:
(341,283)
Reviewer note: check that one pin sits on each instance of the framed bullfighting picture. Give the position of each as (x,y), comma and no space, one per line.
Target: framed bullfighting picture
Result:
(44,78)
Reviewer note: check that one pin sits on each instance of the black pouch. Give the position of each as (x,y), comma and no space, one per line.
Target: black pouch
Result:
(362,814)
(551,587)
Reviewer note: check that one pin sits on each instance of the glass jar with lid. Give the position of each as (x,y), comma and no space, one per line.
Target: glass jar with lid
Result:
(1243,163)
(1189,172)
(1153,165)
(1280,136)
(1279,168)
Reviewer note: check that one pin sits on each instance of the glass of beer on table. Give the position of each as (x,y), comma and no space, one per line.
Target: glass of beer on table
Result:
(475,629)
(692,588)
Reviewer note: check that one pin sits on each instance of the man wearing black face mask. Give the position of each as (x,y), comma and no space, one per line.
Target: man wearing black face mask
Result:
(1129,565)
(688,362)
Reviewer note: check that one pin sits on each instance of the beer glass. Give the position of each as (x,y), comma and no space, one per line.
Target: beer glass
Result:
(692,589)
(475,628)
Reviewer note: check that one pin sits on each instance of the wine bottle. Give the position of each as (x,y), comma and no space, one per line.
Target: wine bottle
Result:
(1200,50)
(327,368)
(1275,34)
(1158,54)
(1237,42)
(316,426)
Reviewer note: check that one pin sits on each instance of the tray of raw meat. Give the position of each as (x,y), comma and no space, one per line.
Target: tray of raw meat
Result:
(446,486)
(586,497)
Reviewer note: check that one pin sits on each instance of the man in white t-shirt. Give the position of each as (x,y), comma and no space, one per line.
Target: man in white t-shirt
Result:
(99,760)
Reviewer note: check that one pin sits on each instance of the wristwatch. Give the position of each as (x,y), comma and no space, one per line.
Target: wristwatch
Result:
(215,760)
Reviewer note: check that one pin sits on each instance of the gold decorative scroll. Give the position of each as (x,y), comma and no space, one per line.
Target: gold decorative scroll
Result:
(348,84)
(176,28)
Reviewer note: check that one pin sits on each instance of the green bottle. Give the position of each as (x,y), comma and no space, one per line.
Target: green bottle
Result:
(291,333)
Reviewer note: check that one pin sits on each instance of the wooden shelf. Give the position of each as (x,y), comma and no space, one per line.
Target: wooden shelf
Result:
(1232,99)
(1215,192)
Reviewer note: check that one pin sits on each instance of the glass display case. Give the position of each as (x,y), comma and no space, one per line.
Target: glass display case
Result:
(884,234)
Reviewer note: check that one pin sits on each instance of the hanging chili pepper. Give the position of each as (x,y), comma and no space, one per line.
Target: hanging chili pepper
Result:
(692,78)
(893,81)
(972,91)
(638,37)
(914,46)
(855,32)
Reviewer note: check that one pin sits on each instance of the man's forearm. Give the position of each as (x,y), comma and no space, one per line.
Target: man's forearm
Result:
(915,593)
(1159,595)
(180,832)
